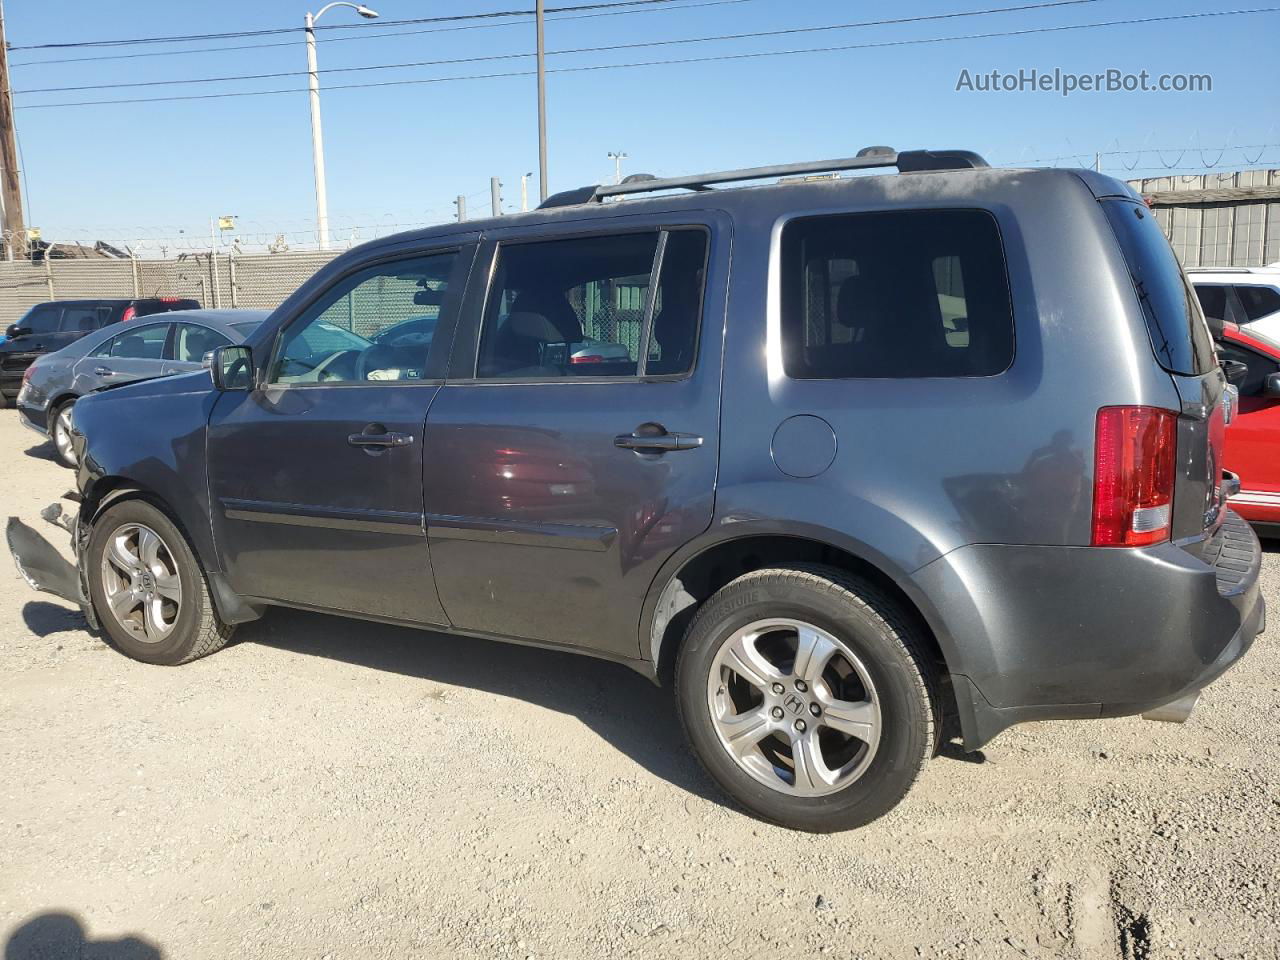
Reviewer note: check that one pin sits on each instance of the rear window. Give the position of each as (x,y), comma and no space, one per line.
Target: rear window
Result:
(895,295)
(1179,336)
(1258,301)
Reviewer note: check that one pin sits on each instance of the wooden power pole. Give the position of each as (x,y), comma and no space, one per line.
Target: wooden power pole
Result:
(15,233)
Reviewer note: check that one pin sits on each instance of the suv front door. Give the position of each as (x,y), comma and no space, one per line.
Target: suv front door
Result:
(315,474)
(574,447)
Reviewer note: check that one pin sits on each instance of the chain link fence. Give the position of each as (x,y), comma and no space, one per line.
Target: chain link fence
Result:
(258,281)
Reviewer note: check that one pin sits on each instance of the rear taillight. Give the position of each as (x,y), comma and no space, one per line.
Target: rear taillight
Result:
(129,314)
(26,374)
(1133,476)
(592,358)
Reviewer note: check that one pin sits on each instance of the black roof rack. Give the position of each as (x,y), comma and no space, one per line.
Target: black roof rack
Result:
(908,161)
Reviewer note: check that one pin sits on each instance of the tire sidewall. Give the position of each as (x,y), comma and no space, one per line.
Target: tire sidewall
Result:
(178,645)
(903,743)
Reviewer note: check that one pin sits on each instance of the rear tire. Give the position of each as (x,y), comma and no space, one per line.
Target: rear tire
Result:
(807,695)
(149,592)
(60,434)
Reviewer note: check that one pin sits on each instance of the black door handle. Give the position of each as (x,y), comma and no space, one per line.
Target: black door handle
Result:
(380,439)
(658,442)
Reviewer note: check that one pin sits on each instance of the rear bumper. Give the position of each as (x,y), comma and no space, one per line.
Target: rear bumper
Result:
(1046,633)
(33,418)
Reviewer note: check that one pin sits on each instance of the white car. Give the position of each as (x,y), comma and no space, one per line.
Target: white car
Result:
(1249,296)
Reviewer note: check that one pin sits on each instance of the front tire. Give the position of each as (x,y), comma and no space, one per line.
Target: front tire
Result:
(147,588)
(808,697)
(60,434)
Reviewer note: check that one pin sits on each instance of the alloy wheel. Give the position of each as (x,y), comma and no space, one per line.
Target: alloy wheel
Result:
(62,434)
(141,582)
(794,707)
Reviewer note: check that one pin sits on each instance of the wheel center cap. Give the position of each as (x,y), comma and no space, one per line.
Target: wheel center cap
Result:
(146,581)
(794,704)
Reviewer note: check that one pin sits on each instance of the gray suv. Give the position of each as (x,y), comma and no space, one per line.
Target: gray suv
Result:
(889,460)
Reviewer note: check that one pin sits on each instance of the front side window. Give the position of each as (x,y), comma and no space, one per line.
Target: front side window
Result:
(140,343)
(192,341)
(42,319)
(895,295)
(370,327)
(589,306)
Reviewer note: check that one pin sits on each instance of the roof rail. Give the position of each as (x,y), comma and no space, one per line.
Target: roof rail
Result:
(908,161)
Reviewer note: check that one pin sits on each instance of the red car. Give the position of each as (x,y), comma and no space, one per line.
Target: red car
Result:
(1253,437)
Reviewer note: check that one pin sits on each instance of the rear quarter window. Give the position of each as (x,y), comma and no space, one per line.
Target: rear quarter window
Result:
(919,293)
(1180,338)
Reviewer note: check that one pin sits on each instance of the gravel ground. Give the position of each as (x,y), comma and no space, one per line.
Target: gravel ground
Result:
(331,788)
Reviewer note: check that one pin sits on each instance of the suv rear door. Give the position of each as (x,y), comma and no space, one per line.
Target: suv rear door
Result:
(558,478)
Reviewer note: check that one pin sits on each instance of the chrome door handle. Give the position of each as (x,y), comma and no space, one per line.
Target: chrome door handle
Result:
(103,372)
(658,442)
(380,439)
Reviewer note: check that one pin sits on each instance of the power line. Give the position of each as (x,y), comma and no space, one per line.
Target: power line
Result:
(677,61)
(601,49)
(232,35)
(375,36)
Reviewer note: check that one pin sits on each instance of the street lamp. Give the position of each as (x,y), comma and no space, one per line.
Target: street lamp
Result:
(317,138)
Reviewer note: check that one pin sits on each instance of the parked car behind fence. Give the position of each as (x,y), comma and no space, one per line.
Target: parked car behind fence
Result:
(155,346)
(48,327)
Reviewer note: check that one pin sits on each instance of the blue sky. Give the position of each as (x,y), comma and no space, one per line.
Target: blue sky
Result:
(399,154)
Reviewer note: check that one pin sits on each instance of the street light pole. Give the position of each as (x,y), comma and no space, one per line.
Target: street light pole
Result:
(617,156)
(317,135)
(542,103)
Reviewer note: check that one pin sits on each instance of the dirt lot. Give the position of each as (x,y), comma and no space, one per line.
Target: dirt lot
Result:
(329,788)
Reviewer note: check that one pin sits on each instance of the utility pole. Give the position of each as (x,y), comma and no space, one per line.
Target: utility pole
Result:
(15,233)
(542,103)
(617,156)
(495,195)
(461,204)
(1097,162)
(524,191)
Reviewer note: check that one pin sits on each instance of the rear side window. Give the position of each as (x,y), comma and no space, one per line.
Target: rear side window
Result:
(79,318)
(1179,336)
(1258,301)
(895,295)
(140,343)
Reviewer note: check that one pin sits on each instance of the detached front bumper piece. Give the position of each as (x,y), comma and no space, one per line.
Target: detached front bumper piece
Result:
(43,567)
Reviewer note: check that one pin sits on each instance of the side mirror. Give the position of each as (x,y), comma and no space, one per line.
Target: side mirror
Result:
(13,332)
(232,368)
(1236,371)
(1271,386)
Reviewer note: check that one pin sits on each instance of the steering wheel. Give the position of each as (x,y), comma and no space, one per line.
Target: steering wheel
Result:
(321,373)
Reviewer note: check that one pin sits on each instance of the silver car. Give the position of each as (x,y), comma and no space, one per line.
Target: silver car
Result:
(158,346)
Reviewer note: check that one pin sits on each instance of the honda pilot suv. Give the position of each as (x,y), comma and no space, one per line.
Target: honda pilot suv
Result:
(889,459)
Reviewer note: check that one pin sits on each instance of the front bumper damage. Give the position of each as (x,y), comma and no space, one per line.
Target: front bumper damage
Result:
(46,569)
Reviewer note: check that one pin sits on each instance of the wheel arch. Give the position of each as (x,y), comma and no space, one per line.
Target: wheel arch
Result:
(703,567)
(57,401)
(106,491)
